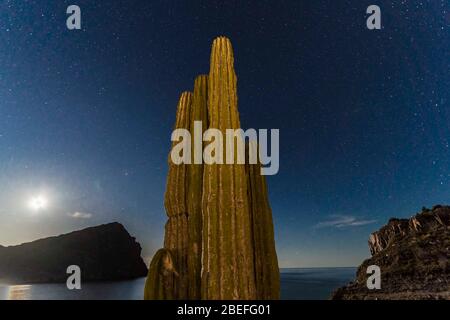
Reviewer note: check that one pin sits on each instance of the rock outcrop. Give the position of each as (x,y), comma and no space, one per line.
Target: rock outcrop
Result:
(105,252)
(220,233)
(413,256)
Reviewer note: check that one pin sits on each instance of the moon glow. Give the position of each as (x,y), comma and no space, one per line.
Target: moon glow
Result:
(38,203)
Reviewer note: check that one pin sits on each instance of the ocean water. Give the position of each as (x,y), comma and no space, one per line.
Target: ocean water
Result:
(296,284)
(313,283)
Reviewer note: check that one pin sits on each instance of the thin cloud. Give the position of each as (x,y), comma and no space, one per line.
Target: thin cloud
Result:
(338,221)
(80,215)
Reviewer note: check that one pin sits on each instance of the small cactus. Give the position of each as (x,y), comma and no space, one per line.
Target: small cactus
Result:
(161,277)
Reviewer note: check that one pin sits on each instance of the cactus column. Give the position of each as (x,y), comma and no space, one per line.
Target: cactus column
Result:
(176,236)
(266,263)
(194,192)
(228,269)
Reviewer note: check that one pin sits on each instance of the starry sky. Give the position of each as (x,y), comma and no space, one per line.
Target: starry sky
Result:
(86,115)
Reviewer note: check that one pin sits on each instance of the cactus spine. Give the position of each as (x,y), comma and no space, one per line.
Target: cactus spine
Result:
(219,240)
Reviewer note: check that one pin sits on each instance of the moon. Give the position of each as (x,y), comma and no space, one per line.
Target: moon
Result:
(38,203)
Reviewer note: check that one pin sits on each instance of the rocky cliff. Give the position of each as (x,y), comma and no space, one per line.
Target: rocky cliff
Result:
(105,252)
(413,256)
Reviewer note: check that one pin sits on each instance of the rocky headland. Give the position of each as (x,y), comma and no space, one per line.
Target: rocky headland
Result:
(413,256)
(105,252)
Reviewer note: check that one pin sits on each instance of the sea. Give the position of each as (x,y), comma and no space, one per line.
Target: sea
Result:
(296,284)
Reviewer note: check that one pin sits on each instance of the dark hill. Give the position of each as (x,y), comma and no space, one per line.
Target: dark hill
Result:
(105,252)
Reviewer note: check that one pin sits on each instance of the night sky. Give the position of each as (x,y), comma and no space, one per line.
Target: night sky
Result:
(86,115)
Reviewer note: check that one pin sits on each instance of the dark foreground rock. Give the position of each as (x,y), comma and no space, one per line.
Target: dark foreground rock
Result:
(414,258)
(105,252)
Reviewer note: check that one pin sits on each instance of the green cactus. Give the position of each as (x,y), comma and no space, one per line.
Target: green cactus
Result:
(227,245)
(219,238)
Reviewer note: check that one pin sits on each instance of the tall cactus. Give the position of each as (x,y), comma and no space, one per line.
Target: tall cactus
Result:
(194,192)
(228,269)
(176,236)
(219,240)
